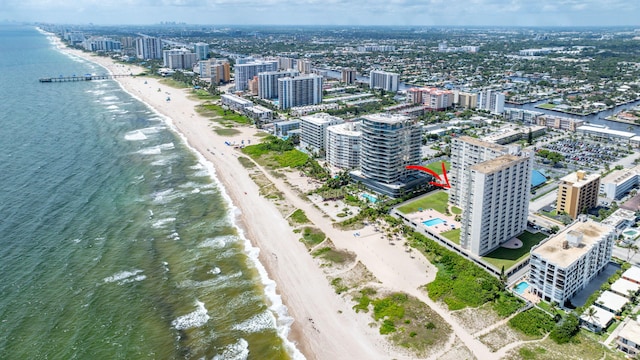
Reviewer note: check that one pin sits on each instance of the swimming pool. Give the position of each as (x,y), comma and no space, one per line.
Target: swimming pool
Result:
(433,222)
(521,287)
(630,232)
(372,199)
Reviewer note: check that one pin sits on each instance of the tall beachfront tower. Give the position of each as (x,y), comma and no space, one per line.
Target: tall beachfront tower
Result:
(388,144)
(386,81)
(299,91)
(578,192)
(343,145)
(201,50)
(313,131)
(148,48)
(491,184)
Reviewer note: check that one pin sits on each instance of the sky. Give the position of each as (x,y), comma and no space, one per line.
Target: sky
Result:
(328,12)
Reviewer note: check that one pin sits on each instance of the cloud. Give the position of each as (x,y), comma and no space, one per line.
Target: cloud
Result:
(359,12)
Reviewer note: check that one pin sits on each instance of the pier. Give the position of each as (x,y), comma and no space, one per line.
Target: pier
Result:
(87,77)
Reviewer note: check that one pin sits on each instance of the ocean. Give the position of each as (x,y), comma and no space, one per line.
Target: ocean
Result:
(116,240)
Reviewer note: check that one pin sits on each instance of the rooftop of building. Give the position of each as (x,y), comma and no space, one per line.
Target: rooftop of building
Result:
(482,143)
(387,118)
(554,250)
(633,274)
(597,129)
(620,176)
(612,301)
(623,286)
(580,178)
(320,118)
(497,164)
(631,331)
(601,317)
(619,216)
(348,128)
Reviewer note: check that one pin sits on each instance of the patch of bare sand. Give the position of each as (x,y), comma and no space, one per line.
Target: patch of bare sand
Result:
(500,337)
(476,319)
(457,352)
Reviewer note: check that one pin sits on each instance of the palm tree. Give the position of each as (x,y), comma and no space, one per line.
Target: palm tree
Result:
(591,315)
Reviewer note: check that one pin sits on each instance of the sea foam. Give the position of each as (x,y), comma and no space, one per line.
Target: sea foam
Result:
(136,135)
(193,319)
(125,277)
(237,351)
(257,323)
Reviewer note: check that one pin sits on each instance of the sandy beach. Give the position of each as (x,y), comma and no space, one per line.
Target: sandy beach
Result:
(325,325)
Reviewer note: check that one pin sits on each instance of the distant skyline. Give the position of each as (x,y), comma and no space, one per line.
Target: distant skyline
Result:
(328,12)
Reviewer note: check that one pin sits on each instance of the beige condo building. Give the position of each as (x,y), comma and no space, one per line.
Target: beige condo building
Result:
(578,192)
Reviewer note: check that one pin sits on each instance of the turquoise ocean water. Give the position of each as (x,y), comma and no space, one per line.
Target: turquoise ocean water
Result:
(115,242)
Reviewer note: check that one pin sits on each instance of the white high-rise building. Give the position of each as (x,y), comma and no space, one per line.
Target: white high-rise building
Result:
(491,184)
(499,203)
(268,82)
(386,81)
(564,264)
(299,91)
(343,145)
(201,50)
(179,59)
(148,48)
(246,71)
(313,131)
(491,100)
(389,143)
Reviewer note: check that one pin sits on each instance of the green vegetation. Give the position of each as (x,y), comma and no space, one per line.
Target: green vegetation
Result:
(507,304)
(456,210)
(312,236)
(246,162)
(548,106)
(437,201)
(334,256)
(533,322)
(339,286)
(363,300)
(566,329)
(292,158)
(299,217)
(437,166)
(202,94)
(226,115)
(174,83)
(509,257)
(452,235)
(552,156)
(226,132)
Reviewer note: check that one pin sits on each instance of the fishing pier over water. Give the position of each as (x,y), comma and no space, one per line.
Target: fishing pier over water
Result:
(87,77)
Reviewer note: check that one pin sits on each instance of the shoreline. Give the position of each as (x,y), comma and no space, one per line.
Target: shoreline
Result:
(260,223)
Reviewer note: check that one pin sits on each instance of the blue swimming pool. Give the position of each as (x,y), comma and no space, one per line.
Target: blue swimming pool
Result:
(372,199)
(521,287)
(433,222)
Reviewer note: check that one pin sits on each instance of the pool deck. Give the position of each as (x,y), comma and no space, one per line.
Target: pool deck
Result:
(426,214)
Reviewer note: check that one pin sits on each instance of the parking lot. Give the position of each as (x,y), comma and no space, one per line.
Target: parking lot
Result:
(586,153)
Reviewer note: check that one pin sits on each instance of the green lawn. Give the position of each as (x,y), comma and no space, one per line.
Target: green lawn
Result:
(509,257)
(437,166)
(437,201)
(452,235)
(546,106)
(456,210)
